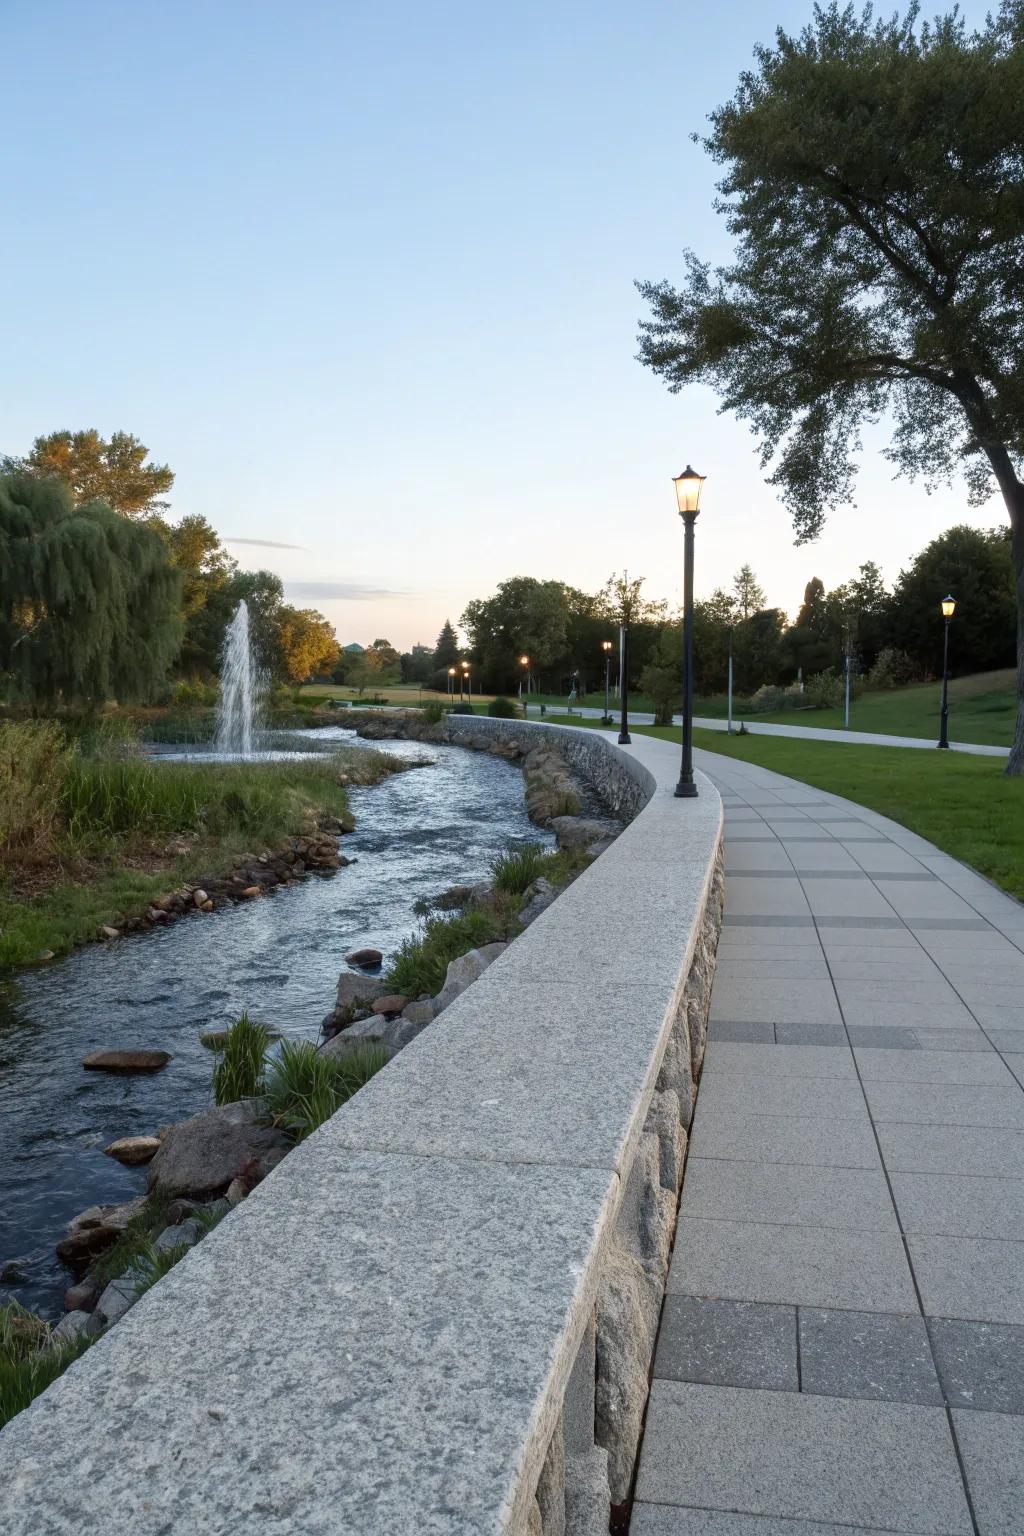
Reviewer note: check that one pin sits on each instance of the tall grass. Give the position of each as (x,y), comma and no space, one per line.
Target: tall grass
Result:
(28,1363)
(239,1073)
(421,963)
(34,761)
(305,1087)
(517,868)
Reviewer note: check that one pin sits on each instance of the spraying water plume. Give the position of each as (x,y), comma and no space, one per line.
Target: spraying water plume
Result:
(241,691)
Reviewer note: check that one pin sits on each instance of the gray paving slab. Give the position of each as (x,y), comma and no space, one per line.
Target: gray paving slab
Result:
(741,1032)
(980,1365)
(811,1034)
(755,898)
(973,1039)
(775,1454)
(732,1190)
(960,1205)
(728,1094)
(793,1061)
(995,1105)
(816,1141)
(813,968)
(992,1447)
(927,1066)
(803,1265)
(671,1520)
(776,1002)
(728,1343)
(888,1037)
(1015,1062)
(883,1356)
(962,1149)
(971,1277)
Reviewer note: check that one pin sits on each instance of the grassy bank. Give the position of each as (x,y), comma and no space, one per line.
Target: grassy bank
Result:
(90,839)
(964,805)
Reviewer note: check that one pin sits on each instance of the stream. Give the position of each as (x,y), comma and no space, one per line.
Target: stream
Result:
(416,833)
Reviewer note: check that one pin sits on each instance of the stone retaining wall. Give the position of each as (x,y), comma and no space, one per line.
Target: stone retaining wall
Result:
(438,1314)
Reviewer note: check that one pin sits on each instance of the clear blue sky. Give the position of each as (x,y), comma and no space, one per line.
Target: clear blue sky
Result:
(361,273)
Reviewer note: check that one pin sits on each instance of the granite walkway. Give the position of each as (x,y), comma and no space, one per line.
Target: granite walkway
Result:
(842,1345)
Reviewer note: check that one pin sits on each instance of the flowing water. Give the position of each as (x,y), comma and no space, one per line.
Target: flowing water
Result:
(416,833)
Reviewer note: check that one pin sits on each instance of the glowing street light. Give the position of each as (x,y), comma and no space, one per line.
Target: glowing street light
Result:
(688,488)
(948,606)
(607,646)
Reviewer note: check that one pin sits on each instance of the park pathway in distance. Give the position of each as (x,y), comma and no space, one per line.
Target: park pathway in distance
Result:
(842,1344)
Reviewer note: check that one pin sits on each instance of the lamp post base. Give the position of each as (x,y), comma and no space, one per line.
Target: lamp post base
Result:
(686,789)
(625,739)
(942,745)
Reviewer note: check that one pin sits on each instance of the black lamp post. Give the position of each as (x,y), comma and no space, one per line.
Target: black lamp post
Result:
(624,737)
(948,610)
(688,488)
(468,681)
(607,646)
(524,662)
(451,684)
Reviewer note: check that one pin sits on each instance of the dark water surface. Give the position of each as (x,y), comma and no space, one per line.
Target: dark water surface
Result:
(280,957)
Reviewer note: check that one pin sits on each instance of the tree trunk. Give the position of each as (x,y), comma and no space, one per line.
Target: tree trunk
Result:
(1015,765)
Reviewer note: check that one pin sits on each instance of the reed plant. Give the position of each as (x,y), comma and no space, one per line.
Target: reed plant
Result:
(305,1086)
(241,1066)
(517,868)
(28,1361)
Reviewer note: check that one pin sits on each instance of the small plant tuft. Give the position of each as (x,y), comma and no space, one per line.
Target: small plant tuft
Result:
(239,1073)
(516,869)
(305,1086)
(503,709)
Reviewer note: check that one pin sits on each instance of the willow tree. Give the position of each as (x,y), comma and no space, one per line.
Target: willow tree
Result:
(89,601)
(874,184)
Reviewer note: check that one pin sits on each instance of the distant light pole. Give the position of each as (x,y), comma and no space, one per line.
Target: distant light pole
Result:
(451,684)
(624,737)
(688,488)
(729,687)
(847,669)
(468,681)
(607,646)
(948,610)
(524,662)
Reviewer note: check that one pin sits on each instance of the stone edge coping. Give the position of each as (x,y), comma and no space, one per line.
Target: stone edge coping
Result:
(375,1340)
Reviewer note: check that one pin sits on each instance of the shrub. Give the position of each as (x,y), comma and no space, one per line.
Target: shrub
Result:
(826,690)
(305,1087)
(420,965)
(503,709)
(433,712)
(768,699)
(516,869)
(893,668)
(239,1074)
(191,693)
(462,709)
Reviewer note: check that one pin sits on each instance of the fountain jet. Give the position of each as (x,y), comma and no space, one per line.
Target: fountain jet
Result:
(241,691)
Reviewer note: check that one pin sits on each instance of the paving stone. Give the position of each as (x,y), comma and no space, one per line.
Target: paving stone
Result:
(952,1039)
(736,1030)
(813,1140)
(809,1266)
(669,1520)
(861,926)
(778,1454)
(766,920)
(960,1205)
(854,1198)
(811,1034)
(889,1037)
(995,1106)
(875,1355)
(728,1343)
(923,1066)
(776,1002)
(992,1447)
(795,1061)
(980,1365)
(955,1148)
(969,1277)
(727,1093)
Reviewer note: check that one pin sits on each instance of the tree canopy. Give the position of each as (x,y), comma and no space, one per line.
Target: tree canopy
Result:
(874,184)
(89,602)
(94,468)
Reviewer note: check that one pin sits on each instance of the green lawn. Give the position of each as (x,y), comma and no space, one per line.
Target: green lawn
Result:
(964,805)
(982,709)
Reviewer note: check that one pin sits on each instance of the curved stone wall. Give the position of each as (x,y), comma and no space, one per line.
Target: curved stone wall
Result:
(437,1315)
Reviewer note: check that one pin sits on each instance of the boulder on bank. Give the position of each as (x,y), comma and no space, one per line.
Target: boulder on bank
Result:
(583,831)
(539,896)
(201,1156)
(364,958)
(133,1150)
(126,1061)
(356,991)
(390,1003)
(463,971)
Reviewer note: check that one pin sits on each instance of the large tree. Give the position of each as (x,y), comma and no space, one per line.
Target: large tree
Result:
(94,468)
(89,602)
(307,643)
(874,183)
(974,565)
